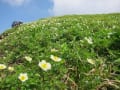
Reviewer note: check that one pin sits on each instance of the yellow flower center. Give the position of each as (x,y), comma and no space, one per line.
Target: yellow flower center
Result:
(22,78)
(2,67)
(55,58)
(44,65)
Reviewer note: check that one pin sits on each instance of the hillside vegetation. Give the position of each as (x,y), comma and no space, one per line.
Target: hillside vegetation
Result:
(74,52)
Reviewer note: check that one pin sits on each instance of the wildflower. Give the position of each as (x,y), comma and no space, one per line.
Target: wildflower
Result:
(23,77)
(81,41)
(2,66)
(11,69)
(44,65)
(54,50)
(114,27)
(55,58)
(91,61)
(110,33)
(89,40)
(37,74)
(29,59)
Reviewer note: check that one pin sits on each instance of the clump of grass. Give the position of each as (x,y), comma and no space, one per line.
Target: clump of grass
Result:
(77,52)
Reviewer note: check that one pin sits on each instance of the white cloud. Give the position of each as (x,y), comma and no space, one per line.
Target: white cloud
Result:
(16,2)
(62,7)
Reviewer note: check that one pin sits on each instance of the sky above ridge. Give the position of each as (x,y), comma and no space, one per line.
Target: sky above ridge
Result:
(30,10)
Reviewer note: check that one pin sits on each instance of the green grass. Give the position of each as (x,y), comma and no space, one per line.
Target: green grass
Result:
(89,46)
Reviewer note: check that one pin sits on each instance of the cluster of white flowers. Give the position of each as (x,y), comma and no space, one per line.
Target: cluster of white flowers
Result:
(3,66)
(47,66)
(44,65)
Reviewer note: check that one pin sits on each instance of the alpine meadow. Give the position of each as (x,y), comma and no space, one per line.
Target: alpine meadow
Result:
(71,52)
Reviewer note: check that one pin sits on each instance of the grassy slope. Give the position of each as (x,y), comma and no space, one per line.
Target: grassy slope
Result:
(67,35)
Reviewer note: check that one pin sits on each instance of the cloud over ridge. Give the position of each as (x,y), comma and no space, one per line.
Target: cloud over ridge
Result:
(62,7)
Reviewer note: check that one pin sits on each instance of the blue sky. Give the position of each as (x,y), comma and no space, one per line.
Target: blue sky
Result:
(30,10)
(26,12)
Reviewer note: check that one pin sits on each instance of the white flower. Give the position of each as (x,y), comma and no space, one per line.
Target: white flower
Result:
(23,77)
(54,50)
(81,41)
(89,40)
(11,69)
(110,33)
(2,66)
(91,61)
(55,58)
(29,59)
(114,27)
(44,65)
